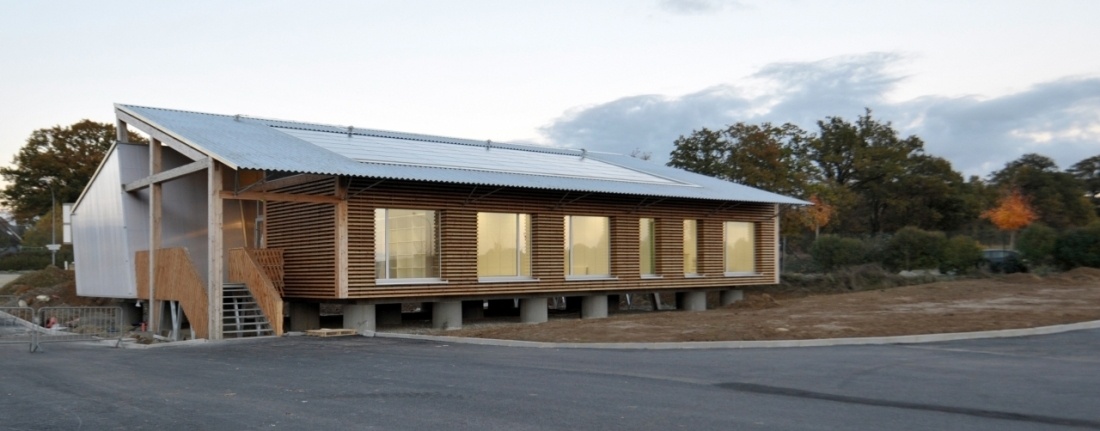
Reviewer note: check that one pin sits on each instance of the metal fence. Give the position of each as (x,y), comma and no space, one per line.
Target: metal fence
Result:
(60,324)
(17,326)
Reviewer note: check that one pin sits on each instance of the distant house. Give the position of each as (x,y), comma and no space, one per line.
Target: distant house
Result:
(249,214)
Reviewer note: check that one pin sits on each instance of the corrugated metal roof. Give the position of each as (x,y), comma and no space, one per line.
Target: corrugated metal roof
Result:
(277,145)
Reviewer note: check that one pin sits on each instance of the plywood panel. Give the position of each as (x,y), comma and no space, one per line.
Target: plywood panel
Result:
(175,280)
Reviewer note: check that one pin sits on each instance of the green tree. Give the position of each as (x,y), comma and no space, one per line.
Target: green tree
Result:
(929,195)
(762,156)
(1088,172)
(1058,197)
(867,158)
(1036,243)
(61,158)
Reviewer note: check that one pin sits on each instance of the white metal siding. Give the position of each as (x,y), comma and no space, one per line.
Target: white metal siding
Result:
(102,253)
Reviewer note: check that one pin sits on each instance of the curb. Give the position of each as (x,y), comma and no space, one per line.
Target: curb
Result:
(900,339)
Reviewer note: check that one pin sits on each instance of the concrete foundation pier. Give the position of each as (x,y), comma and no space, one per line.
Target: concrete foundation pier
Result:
(692,301)
(360,317)
(447,315)
(728,297)
(388,314)
(594,307)
(533,310)
(305,316)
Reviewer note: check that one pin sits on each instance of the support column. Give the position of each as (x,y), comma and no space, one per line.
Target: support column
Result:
(215,251)
(360,317)
(727,297)
(594,307)
(692,301)
(155,195)
(447,315)
(305,316)
(473,309)
(533,310)
(388,314)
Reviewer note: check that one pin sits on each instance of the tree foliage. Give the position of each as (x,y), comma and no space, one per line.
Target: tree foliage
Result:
(1058,197)
(763,156)
(1088,173)
(61,158)
(1013,211)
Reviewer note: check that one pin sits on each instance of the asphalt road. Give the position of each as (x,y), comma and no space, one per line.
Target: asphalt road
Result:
(1032,383)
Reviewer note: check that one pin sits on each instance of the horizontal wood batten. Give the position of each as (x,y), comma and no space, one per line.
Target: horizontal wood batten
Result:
(306,231)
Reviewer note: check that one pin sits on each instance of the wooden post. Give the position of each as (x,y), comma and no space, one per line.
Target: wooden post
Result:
(215,249)
(154,232)
(341,209)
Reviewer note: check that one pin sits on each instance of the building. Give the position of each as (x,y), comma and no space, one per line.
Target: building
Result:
(245,210)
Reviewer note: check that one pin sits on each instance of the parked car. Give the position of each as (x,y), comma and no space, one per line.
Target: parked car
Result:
(1006,261)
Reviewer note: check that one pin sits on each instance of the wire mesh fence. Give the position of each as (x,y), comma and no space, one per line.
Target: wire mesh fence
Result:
(17,326)
(61,324)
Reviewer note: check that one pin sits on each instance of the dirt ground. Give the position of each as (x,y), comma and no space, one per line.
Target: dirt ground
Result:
(1004,302)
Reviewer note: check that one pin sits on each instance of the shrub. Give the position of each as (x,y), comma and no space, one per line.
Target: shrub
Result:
(961,254)
(1078,247)
(831,252)
(912,248)
(1036,243)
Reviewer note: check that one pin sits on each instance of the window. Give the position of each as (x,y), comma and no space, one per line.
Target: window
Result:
(502,245)
(406,245)
(587,247)
(740,248)
(691,247)
(647,246)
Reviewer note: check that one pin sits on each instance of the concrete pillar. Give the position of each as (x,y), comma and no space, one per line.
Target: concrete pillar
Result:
(594,307)
(473,309)
(533,310)
(360,317)
(727,297)
(447,315)
(388,314)
(691,301)
(305,316)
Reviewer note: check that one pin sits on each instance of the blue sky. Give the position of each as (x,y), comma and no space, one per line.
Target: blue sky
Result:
(982,82)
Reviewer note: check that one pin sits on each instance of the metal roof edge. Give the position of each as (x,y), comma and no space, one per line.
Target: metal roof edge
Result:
(166,131)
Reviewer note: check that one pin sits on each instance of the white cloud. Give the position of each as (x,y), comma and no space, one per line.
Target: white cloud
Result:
(1060,119)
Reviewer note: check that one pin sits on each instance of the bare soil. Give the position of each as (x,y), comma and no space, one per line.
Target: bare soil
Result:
(1004,302)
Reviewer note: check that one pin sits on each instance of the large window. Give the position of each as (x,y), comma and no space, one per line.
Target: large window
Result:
(740,249)
(502,245)
(406,245)
(647,247)
(691,247)
(587,246)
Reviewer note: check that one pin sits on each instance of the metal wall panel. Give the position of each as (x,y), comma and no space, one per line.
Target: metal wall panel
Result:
(100,244)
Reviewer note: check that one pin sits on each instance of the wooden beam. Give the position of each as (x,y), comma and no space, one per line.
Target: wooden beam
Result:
(157,134)
(293,180)
(155,196)
(171,174)
(280,197)
(215,250)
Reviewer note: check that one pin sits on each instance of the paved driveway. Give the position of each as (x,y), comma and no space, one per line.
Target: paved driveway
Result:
(1033,383)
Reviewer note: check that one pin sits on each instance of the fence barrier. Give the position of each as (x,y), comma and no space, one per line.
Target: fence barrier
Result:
(20,325)
(17,326)
(61,324)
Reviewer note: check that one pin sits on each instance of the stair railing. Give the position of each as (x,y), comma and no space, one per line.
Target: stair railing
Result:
(244,267)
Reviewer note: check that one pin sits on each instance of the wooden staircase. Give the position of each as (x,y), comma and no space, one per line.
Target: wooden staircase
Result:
(241,314)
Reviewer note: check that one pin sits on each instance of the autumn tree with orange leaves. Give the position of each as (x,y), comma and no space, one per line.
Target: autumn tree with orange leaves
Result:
(818,214)
(1013,211)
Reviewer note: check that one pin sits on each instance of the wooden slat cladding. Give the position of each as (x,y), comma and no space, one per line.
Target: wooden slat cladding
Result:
(307,234)
(457,207)
(175,280)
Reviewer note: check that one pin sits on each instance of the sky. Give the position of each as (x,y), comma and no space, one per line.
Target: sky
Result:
(980,82)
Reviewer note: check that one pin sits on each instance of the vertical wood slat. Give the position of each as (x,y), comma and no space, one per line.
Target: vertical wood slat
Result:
(244,267)
(176,280)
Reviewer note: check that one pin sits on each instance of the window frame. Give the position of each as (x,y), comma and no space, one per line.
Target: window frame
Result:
(726,249)
(568,235)
(385,278)
(522,238)
(652,247)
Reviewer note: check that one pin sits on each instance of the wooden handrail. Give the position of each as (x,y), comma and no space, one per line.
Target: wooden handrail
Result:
(245,267)
(176,280)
